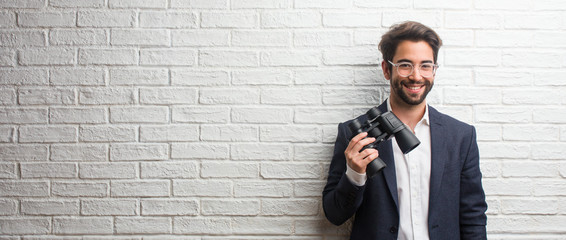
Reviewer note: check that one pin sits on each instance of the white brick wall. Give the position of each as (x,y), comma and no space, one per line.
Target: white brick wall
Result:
(215,119)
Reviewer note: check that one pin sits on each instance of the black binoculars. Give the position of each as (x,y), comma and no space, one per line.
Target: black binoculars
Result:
(383,126)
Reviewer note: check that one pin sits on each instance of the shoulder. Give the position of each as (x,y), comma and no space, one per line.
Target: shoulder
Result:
(449,123)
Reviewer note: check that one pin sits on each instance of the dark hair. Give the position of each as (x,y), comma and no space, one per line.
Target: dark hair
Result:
(409,30)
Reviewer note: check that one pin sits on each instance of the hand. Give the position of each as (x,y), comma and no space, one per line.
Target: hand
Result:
(357,160)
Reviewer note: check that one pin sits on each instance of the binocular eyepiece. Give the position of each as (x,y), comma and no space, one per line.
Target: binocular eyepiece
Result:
(383,126)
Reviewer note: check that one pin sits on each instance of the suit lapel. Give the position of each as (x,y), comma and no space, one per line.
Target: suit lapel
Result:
(438,158)
(386,154)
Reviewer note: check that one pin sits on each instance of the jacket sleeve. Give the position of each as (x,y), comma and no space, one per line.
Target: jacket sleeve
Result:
(341,198)
(472,197)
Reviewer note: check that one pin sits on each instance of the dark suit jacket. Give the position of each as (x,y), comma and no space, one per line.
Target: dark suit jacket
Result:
(457,201)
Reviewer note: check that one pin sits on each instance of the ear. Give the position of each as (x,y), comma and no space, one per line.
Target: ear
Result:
(385,68)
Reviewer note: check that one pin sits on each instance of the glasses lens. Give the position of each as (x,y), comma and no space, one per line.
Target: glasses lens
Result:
(427,69)
(405,69)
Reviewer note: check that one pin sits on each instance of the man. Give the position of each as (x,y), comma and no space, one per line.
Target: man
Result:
(433,192)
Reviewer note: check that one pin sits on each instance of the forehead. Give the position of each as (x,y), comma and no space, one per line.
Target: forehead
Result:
(413,51)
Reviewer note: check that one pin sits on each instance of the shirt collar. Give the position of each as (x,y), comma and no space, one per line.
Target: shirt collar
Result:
(424,119)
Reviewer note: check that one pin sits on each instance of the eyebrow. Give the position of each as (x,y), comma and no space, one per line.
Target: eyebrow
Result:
(407,60)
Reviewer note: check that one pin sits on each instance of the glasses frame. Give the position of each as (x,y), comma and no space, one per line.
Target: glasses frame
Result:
(435,67)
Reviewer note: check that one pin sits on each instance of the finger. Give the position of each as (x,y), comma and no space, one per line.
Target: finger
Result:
(355,140)
(362,143)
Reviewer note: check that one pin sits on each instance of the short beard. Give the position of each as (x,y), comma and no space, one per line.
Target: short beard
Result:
(398,88)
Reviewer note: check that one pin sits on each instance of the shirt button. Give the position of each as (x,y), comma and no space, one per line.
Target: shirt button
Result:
(393,229)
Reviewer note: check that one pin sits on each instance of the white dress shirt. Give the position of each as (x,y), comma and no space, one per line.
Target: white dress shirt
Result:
(413,182)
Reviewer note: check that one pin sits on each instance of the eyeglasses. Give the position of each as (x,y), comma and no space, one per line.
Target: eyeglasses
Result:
(405,69)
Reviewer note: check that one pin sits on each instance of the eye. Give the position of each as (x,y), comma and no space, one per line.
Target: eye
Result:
(427,67)
(405,65)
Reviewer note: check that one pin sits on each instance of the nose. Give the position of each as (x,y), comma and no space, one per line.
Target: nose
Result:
(416,75)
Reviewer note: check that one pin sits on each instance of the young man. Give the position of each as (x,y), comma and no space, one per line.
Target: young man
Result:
(433,192)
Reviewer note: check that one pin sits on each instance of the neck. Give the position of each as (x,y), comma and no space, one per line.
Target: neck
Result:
(408,114)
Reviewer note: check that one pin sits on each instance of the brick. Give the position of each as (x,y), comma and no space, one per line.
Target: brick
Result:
(495,38)
(169,207)
(547,151)
(354,19)
(8,96)
(234,133)
(169,170)
(489,132)
(350,96)
(137,4)
(74,76)
(47,19)
(52,96)
(79,189)
(105,96)
(199,78)
(50,207)
(472,96)
(533,96)
(138,152)
(82,225)
(462,57)
(261,77)
(78,115)
(539,59)
(508,187)
(264,4)
(298,207)
(261,115)
(192,38)
(114,18)
(439,4)
(24,225)
(293,134)
(324,4)
(77,3)
(7,57)
(465,20)
(291,96)
(228,96)
(261,38)
(548,187)
(290,19)
(262,225)
(108,57)
(109,207)
(169,133)
(290,170)
(77,37)
(37,77)
(505,150)
(139,37)
(290,58)
(264,188)
(405,4)
(23,153)
(201,114)
(351,56)
(503,115)
(548,39)
(465,38)
(500,5)
(199,151)
(48,170)
(321,116)
(232,58)
(320,226)
(153,188)
(48,56)
(310,38)
(139,77)
(202,4)
(176,95)
(256,151)
(329,134)
(168,19)
(311,152)
(370,37)
(107,133)
(23,115)
(175,57)
(132,114)
(229,170)
(8,207)
(111,170)
(308,188)
(548,115)
(202,188)
(24,189)
(502,78)
(229,20)
(8,171)
(79,152)
(7,19)
(529,169)
(22,38)
(221,207)
(532,21)
(199,225)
